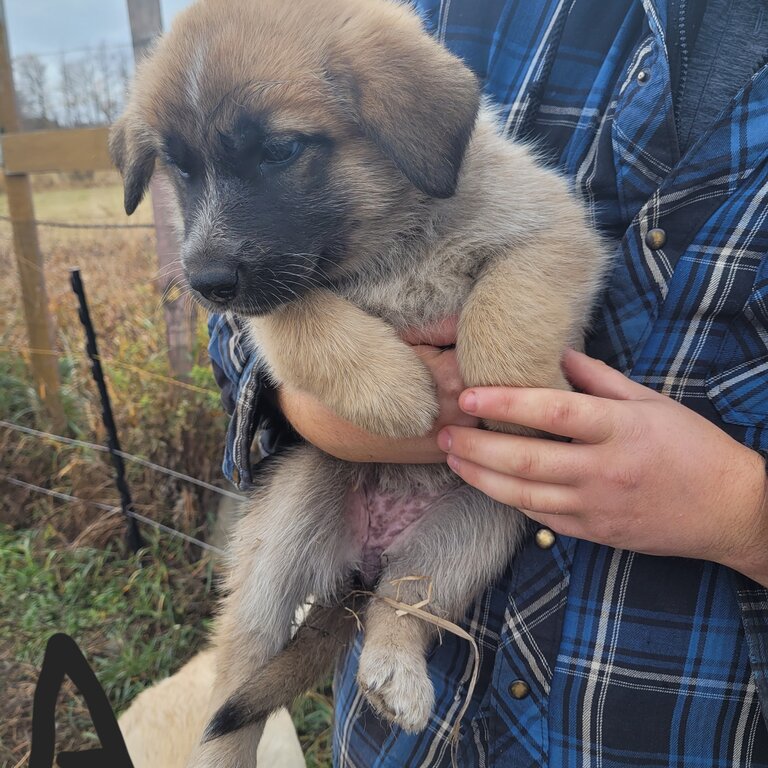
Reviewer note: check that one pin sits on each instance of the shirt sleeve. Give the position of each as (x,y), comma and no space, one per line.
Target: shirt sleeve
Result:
(257,429)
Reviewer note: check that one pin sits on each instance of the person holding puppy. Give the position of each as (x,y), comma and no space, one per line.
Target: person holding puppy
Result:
(632,629)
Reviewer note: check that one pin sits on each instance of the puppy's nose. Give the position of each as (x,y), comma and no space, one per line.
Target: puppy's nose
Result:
(218,284)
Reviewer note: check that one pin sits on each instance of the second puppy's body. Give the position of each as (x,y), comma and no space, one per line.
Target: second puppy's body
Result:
(407,210)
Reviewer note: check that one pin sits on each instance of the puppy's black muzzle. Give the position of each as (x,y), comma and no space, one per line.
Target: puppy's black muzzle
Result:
(217,284)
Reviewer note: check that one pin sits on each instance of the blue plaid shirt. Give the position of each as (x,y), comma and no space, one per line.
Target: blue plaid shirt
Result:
(630,660)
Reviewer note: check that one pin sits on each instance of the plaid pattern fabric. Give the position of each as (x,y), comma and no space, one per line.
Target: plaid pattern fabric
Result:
(247,397)
(630,660)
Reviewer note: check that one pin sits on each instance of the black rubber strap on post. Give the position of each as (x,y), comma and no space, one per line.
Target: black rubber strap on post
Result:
(135,542)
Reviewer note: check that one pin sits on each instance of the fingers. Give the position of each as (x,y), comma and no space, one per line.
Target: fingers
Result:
(544,498)
(596,378)
(570,414)
(528,458)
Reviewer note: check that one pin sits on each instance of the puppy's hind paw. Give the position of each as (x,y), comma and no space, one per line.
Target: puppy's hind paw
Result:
(397,686)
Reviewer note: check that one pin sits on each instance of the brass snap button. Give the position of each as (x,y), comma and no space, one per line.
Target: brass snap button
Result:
(519,689)
(545,539)
(655,239)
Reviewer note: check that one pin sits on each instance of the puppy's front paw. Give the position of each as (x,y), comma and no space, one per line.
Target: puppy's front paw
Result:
(397,402)
(397,685)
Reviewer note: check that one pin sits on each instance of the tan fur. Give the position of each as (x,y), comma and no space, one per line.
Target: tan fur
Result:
(309,344)
(443,216)
(163,724)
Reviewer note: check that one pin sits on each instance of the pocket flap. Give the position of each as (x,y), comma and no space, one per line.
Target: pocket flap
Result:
(740,393)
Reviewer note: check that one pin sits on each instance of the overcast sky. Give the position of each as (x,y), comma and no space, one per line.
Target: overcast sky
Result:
(52,26)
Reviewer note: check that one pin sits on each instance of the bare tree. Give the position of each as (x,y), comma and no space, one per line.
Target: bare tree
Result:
(70,98)
(32,85)
(106,87)
(85,88)
(124,72)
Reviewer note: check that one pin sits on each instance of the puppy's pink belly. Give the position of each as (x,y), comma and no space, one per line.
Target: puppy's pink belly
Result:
(378,518)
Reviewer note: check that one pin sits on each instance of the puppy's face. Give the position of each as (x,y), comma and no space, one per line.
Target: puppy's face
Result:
(300,137)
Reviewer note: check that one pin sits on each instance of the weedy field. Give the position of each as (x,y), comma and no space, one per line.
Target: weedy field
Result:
(63,566)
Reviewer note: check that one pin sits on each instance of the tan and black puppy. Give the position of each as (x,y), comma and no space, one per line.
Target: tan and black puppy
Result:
(337,182)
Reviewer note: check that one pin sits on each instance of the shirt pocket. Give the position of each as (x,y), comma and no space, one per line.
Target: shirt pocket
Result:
(740,393)
(737,382)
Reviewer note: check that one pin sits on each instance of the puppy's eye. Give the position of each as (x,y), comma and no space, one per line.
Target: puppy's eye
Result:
(281,152)
(182,169)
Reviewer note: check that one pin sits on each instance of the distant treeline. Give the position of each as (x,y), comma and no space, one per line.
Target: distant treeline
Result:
(72,89)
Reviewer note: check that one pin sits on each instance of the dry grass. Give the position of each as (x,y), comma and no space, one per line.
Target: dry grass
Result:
(172,426)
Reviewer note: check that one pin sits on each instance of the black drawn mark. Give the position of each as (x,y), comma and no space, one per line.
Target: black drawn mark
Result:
(64,659)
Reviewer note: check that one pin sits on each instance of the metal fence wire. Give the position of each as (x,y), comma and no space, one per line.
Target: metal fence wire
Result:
(112,510)
(85,225)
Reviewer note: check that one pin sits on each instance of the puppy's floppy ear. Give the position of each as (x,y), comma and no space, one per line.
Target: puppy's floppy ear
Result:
(418,102)
(133,153)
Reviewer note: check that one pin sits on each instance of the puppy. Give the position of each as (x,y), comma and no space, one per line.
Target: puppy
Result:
(339,181)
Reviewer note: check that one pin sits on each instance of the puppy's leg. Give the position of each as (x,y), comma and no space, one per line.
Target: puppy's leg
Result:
(309,656)
(460,547)
(517,323)
(352,362)
(294,543)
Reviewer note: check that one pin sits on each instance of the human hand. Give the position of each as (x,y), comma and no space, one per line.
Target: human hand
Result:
(322,427)
(643,472)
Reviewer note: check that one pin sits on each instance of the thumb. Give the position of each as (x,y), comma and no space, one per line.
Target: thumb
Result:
(596,378)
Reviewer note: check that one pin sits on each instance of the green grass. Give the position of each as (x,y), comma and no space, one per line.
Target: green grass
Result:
(313,718)
(136,618)
(103,599)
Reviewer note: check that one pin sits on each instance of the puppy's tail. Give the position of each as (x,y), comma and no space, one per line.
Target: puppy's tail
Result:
(314,649)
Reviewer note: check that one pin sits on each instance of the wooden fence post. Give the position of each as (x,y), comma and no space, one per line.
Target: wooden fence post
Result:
(40,327)
(146,25)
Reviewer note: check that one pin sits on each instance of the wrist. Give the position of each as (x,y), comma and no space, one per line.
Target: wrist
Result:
(749,554)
